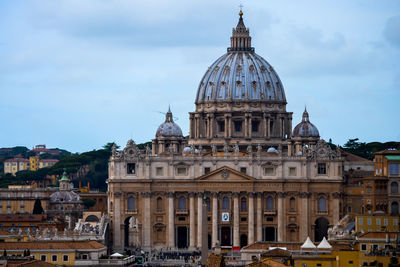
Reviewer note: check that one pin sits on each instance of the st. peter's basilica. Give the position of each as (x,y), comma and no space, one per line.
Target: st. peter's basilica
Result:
(258,179)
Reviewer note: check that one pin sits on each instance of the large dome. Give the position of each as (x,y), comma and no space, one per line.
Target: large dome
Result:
(240,74)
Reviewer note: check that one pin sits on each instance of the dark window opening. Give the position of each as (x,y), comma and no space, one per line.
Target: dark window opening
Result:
(243,170)
(131,168)
(221,126)
(238,126)
(243,219)
(321,168)
(243,204)
(255,126)
(182,219)
(270,219)
(207,170)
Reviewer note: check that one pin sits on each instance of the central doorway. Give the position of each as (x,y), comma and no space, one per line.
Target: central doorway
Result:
(182,237)
(226,236)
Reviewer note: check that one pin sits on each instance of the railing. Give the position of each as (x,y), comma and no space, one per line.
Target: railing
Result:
(269,212)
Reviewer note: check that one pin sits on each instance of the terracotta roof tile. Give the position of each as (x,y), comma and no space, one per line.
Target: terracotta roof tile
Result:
(47,245)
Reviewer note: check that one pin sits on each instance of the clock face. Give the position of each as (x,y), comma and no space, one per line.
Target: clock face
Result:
(322,152)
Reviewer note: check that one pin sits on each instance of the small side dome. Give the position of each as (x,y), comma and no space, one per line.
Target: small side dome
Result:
(186,150)
(305,128)
(272,150)
(169,128)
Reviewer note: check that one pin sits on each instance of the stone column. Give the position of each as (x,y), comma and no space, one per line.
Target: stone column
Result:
(245,128)
(251,219)
(268,127)
(200,219)
(214,219)
(191,126)
(226,126)
(250,126)
(281,217)
(146,220)
(212,126)
(192,229)
(117,222)
(236,238)
(265,125)
(304,211)
(335,208)
(259,217)
(230,125)
(171,220)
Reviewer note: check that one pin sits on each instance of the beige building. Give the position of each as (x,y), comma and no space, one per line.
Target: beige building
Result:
(15,165)
(260,180)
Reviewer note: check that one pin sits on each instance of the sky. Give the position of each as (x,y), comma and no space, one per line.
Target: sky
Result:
(78,74)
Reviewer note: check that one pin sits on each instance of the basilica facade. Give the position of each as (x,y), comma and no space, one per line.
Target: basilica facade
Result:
(259,178)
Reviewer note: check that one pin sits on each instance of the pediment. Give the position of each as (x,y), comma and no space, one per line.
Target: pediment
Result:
(226,174)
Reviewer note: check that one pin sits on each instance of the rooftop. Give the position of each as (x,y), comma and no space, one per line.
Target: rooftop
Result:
(51,245)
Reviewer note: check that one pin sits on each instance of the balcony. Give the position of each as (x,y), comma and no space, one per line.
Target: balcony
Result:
(269,212)
(322,212)
(131,212)
(182,212)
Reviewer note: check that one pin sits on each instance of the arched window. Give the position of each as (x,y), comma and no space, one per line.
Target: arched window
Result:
(395,207)
(225,203)
(182,203)
(243,204)
(159,204)
(131,203)
(394,188)
(321,204)
(292,204)
(270,204)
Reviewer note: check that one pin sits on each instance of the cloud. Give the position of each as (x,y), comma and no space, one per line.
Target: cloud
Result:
(392,31)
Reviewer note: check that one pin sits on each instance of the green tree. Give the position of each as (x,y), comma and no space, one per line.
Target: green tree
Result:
(88,202)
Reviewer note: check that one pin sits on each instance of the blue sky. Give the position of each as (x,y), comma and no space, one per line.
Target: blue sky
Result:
(78,74)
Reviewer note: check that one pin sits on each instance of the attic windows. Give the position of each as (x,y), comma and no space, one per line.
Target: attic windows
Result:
(131,168)
(181,171)
(159,171)
(269,171)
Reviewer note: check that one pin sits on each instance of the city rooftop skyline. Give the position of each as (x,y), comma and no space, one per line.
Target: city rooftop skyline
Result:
(76,75)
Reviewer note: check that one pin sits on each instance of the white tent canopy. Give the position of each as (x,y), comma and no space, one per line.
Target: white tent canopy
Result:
(308,244)
(116,254)
(324,244)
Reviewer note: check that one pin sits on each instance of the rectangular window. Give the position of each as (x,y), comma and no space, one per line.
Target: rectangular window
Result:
(395,222)
(84,257)
(394,168)
(321,168)
(207,170)
(54,258)
(238,126)
(369,221)
(350,262)
(292,171)
(363,247)
(43,258)
(378,221)
(243,170)
(255,126)
(65,258)
(269,171)
(360,221)
(159,171)
(131,168)
(221,126)
(181,171)
(385,222)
